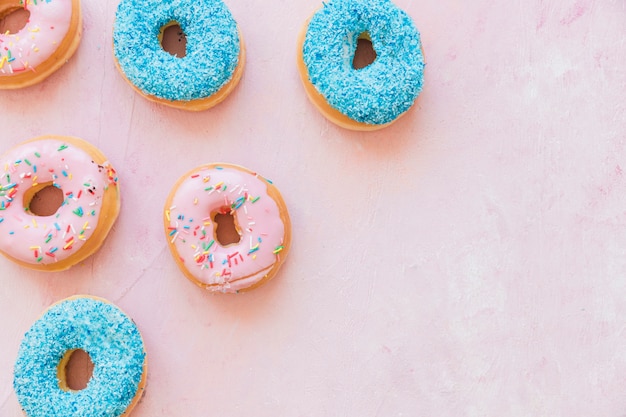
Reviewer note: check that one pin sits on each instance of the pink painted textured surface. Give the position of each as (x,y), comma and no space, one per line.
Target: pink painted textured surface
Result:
(469,260)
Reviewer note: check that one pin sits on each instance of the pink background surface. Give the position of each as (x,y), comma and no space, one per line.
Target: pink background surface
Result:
(469,260)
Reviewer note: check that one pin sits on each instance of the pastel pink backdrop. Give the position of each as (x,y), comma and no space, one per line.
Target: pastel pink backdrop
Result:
(469,260)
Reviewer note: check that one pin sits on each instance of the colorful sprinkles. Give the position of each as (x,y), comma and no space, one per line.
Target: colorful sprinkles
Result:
(191,226)
(49,239)
(38,40)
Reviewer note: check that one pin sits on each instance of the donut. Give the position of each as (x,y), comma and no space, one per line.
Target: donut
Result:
(367,98)
(83,202)
(257,211)
(107,335)
(211,67)
(50,37)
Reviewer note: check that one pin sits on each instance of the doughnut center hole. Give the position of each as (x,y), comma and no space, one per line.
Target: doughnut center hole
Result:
(174,40)
(77,370)
(44,200)
(364,54)
(226,232)
(14,19)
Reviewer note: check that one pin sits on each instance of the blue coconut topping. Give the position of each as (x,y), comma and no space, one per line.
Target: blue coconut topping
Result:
(212,47)
(383,90)
(103,331)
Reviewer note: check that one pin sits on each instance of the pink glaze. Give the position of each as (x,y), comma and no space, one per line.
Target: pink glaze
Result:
(206,191)
(48,239)
(48,24)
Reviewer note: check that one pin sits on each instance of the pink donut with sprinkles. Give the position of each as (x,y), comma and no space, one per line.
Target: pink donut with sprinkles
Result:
(227,227)
(59,198)
(50,36)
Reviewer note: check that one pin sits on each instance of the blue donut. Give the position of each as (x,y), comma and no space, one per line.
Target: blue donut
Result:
(214,56)
(114,345)
(379,93)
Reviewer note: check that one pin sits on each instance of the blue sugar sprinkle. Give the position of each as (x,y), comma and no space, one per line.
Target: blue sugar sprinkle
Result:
(113,343)
(212,47)
(380,92)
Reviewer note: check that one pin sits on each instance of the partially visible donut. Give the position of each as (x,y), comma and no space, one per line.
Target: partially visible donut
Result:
(260,217)
(214,58)
(88,202)
(50,37)
(114,345)
(368,98)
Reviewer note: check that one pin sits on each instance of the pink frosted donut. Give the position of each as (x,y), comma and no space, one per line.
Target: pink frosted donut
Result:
(50,37)
(259,215)
(85,202)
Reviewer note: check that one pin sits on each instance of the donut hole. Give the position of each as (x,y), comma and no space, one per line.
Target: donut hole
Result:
(364,53)
(173,40)
(13,19)
(43,200)
(226,231)
(75,370)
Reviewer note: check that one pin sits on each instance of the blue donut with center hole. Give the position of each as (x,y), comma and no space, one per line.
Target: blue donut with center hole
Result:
(213,47)
(380,92)
(113,343)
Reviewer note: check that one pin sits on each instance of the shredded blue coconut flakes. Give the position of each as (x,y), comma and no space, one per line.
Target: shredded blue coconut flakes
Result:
(103,331)
(380,92)
(212,47)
